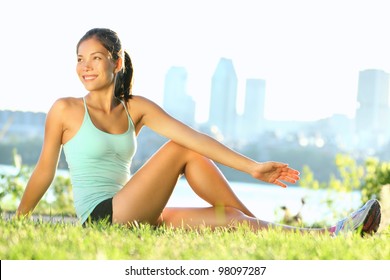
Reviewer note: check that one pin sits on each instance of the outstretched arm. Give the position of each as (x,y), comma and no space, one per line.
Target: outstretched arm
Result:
(159,121)
(44,171)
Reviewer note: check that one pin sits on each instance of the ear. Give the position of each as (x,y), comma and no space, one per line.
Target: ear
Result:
(119,65)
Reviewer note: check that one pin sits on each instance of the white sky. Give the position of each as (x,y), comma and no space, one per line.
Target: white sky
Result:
(309,52)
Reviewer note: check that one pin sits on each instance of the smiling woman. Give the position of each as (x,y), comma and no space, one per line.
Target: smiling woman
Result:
(98,133)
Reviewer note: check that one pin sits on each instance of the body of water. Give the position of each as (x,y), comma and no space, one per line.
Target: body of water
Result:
(264,200)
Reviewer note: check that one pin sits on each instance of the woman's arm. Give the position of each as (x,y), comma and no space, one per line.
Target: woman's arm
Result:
(159,121)
(45,169)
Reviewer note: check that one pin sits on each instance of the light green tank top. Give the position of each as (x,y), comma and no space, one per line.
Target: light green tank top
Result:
(99,163)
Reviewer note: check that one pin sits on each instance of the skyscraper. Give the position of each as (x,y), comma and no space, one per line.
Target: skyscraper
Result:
(223,102)
(176,100)
(253,115)
(373,114)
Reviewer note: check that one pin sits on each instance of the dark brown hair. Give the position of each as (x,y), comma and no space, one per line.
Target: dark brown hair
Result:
(110,40)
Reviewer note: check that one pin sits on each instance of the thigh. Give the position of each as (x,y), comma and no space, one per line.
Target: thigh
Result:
(146,194)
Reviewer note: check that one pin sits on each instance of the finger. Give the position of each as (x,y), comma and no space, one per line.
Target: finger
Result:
(291,170)
(281,184)
(288,179)
(288,176)
(293,177)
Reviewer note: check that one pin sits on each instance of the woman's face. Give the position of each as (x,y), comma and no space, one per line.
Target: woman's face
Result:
(95,67)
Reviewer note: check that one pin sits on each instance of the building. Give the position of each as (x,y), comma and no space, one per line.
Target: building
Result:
(176,100)
(223,102)
(253,121)
(373,114)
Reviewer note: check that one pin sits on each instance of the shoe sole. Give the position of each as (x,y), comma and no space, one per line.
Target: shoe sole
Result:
(372,221)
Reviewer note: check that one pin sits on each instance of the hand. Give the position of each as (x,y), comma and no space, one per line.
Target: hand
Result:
(275,173)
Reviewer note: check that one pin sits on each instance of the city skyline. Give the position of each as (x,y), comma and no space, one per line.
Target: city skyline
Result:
(367,132)
(309,53)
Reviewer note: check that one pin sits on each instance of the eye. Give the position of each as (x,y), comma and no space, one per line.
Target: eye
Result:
(79,59)
(97,58)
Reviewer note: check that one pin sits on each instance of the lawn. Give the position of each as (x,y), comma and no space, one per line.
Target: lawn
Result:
(28,240)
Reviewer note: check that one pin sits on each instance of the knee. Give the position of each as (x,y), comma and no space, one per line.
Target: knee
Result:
(181,150)
(230,213)
(171,145)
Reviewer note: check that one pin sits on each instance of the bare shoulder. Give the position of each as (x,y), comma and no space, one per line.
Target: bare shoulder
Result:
(66,109)
(142,104)
(137,99)
(65,106)
(67,103)
(139,107)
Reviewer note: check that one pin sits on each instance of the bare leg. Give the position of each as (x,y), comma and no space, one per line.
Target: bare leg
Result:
(144,197)
(214,217)
(209,183)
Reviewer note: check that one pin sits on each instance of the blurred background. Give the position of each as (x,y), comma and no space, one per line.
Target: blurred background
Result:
(301,82)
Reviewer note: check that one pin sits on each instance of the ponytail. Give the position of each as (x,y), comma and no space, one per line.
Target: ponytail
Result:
(124,79)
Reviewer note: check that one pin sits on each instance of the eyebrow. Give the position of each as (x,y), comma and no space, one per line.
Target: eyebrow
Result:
(98,52)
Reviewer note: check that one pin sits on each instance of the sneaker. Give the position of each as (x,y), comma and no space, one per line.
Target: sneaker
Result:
(366,220)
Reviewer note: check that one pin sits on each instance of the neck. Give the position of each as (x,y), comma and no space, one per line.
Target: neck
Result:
(102,101)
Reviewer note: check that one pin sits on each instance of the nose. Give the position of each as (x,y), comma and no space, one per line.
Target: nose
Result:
(85,65)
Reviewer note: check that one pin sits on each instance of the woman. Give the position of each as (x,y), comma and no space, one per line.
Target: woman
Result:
(98,133)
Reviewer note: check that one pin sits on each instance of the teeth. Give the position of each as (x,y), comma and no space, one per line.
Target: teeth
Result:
(89,77)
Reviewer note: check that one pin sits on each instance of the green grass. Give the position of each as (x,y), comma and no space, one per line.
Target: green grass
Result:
(38,240)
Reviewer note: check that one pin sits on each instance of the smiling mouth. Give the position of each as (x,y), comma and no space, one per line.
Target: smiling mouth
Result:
(89,77)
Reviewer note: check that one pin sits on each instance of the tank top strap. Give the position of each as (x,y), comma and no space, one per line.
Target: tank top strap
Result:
(85,107)
(121,101)
(124,105)
(85,103)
